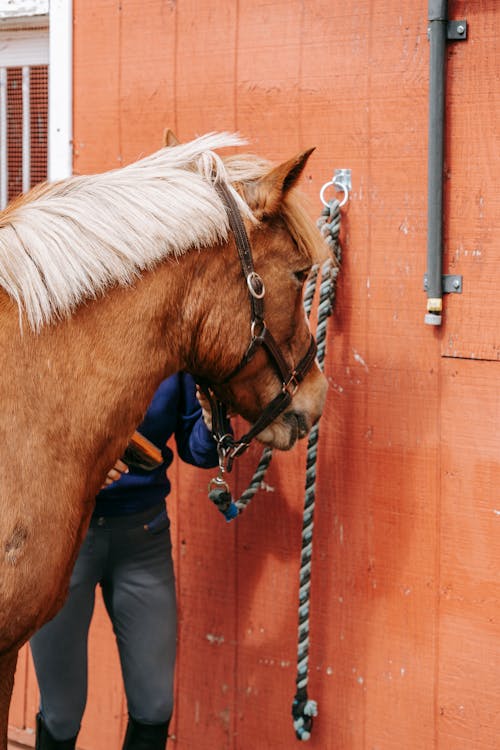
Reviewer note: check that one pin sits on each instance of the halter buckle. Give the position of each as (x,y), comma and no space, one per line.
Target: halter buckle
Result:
(292,385)
(255,285)
(236,450)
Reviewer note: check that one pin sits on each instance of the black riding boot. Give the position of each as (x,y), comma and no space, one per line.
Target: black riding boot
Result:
(145,736)
(45,741)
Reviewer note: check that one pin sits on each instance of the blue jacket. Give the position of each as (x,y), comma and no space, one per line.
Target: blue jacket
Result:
(174,410)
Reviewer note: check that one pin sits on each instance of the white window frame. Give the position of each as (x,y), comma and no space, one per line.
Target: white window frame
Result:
(60,89)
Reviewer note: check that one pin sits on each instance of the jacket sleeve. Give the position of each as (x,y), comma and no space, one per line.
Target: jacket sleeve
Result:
(195,444)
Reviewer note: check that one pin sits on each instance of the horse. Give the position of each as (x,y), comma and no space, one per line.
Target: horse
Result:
(108,284)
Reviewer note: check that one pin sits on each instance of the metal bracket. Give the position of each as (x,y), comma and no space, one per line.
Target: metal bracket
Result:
(456,31)
(451,284)
(343,179)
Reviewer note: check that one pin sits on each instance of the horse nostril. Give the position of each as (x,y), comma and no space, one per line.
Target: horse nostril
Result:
(298,422)
(303,425)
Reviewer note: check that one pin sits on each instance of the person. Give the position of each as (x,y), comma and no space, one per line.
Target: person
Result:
(127,551)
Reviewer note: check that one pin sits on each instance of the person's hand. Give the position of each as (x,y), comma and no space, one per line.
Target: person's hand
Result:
(206,411)
(115,473)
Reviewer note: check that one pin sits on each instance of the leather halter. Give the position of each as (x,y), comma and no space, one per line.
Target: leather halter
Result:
(291,377)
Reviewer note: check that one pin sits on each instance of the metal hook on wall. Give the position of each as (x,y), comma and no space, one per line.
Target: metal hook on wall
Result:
(341,180)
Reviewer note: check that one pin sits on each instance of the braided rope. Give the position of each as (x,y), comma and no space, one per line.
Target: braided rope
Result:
(256,481)
(304,709)
(220,494)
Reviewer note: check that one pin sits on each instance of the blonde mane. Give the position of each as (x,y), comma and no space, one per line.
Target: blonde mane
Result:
(69,241)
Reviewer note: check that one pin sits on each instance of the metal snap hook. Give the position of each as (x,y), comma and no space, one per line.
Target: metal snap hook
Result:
(218,483)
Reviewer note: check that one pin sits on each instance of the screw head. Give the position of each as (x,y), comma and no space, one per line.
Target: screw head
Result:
(460,29)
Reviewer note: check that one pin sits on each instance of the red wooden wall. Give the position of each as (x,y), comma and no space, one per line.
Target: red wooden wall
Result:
(405,647)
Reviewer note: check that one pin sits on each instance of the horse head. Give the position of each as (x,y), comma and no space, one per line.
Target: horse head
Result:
(270,377)
(178,219)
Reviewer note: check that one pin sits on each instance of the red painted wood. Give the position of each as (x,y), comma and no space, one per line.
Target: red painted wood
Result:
(473,204)
(207,596)
(205,60)
(468,692)
(404,626)
(18,706)
(96,104)
(147,76)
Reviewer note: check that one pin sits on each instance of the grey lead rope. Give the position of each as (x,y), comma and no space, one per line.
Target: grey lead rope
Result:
(256,481)
(304,709)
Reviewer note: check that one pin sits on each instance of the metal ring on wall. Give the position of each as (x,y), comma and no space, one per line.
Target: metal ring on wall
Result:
(337,186)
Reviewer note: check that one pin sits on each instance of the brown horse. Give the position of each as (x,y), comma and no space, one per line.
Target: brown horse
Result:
(110,283)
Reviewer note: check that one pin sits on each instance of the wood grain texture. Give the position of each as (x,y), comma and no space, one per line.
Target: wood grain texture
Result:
(469,623)
(472,201)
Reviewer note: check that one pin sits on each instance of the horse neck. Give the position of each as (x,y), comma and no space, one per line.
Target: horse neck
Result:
(89,379)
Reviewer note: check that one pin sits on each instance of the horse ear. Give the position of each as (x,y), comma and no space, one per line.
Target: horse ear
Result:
(169,138)
(273,186)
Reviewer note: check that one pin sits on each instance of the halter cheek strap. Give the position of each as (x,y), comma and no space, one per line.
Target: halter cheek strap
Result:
(227,446)
(230,447)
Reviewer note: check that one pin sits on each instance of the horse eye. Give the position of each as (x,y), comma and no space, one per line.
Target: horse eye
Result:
(301,276)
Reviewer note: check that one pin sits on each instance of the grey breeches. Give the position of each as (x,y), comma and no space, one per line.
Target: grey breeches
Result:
(134,568)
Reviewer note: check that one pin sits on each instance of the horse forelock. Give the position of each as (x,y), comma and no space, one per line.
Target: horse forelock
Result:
(69,241)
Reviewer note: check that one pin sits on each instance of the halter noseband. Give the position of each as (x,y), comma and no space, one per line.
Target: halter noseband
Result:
(227,446)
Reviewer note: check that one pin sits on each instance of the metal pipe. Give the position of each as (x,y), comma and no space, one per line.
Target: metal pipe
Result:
(438,21)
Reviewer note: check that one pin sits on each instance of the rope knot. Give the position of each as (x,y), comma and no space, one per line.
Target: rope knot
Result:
(303,711)
(221,497)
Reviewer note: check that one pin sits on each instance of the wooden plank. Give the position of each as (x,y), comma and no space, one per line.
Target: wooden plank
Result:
(17,714)
(105,717)
(268,75)
(206,39)
(204,563)
(32,696)
(375,531)
(469,629)
(267,560)
(147,75)
(97,126)
(472,200)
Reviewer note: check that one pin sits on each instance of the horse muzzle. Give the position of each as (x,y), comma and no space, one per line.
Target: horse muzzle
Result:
(285,431)
(296,422)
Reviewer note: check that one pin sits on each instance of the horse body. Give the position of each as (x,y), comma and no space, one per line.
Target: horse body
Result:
(81,369)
